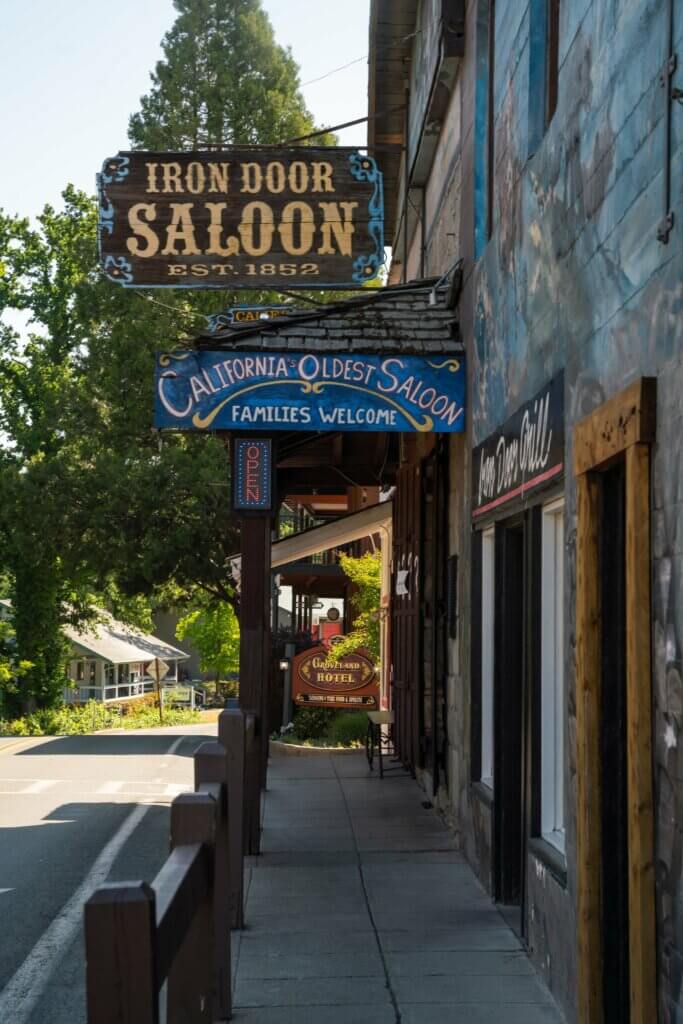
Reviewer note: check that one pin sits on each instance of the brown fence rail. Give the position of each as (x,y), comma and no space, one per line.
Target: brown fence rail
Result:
(168,943)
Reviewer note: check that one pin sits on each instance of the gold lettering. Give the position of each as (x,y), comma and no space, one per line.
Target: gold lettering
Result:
(199,270)
(301,214)
(276,179)
(172,182)
(266,228)
(216,229)
(181,229)
(152,177)
(333,225)
(219,178)
(176,270)
(139,227)
(322,177)
(195,178)
(298,177)
(252,178)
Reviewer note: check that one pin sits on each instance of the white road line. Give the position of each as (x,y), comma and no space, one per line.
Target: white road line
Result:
(109,788)
(174,789)
(2,891)
(24,989)
(39,786)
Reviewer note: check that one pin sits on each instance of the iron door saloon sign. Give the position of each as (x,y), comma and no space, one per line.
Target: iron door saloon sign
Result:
(241,218)
(353,683)
(303,391)
(525,454)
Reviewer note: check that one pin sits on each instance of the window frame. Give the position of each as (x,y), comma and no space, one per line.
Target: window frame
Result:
(553,693)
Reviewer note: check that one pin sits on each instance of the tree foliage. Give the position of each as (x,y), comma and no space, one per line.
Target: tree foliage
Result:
(223,80)
(214,630)
(366,573)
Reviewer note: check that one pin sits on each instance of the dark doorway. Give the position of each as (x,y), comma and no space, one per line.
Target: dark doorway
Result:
(509,703)
(433,631)
(613,747)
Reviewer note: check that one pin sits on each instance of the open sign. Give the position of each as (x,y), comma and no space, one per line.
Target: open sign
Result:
(252,474)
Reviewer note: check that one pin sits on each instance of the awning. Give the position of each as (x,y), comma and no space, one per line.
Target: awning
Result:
(345,530)
(341,531)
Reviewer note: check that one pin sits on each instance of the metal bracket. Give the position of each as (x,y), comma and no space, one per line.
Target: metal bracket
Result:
(665,227)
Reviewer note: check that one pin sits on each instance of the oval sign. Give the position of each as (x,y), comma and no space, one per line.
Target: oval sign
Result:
(353,672)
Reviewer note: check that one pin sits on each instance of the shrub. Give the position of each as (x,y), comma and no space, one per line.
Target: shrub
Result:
(80,719)
(348,729)
(312,723)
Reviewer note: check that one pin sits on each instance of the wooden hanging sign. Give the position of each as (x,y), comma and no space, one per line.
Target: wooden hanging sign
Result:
(242,218)
(352,683)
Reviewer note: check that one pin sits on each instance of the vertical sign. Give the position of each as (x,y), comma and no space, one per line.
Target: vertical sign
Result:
(252,474)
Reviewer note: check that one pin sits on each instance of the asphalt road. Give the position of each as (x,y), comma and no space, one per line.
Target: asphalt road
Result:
(76,811)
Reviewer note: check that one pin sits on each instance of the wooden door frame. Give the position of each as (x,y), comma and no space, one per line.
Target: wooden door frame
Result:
(623,427)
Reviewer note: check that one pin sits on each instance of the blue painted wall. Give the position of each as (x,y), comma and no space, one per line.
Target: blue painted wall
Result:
(575,278)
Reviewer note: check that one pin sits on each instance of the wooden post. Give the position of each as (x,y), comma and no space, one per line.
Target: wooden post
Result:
(190,977)
(231,733)
(253,750)
(588,689)
(642,930)
(121,975)
(210,768)
(255,647)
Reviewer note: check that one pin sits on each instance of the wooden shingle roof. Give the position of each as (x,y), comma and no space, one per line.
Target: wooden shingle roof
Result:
(412,319)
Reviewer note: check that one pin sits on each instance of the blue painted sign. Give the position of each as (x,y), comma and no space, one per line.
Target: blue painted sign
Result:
(307,391)
(252,474)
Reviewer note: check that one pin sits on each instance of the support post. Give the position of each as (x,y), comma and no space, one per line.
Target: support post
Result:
(231,733)
(255,644)
(211,767)
(121,974)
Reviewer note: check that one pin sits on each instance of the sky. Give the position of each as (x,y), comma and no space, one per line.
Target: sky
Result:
(72,71)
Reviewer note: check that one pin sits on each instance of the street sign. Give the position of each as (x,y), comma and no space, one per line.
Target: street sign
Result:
(160,669)
(296,217)
(243,391)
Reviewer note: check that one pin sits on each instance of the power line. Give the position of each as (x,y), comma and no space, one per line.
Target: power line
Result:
(334,71)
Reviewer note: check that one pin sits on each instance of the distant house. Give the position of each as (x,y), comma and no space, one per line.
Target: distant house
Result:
(111,661)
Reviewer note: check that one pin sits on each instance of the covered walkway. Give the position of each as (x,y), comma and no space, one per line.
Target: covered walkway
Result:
(360,911)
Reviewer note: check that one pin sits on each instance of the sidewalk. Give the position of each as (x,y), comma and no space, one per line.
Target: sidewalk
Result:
(360,912)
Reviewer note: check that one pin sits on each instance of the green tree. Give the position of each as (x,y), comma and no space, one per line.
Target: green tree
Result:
(366,573)
(223,80)
(94,506)
(215,632)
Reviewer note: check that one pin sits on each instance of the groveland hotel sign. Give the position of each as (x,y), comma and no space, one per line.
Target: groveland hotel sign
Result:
(241,218)
(307,391)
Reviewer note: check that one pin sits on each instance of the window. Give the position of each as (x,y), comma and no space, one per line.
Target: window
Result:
(552,675)
(80,671)
(544,45)
(92,672)
(487,638)
(483,125)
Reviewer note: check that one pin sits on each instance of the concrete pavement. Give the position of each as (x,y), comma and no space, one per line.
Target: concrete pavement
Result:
(360,911)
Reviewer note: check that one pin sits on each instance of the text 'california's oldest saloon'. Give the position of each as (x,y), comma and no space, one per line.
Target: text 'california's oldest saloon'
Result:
(241,218)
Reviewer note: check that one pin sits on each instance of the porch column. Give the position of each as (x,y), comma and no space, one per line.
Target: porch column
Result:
(255,657)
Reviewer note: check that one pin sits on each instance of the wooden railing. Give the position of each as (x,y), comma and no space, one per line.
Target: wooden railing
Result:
(161,952)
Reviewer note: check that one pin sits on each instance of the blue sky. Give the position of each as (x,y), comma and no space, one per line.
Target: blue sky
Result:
(71,72)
